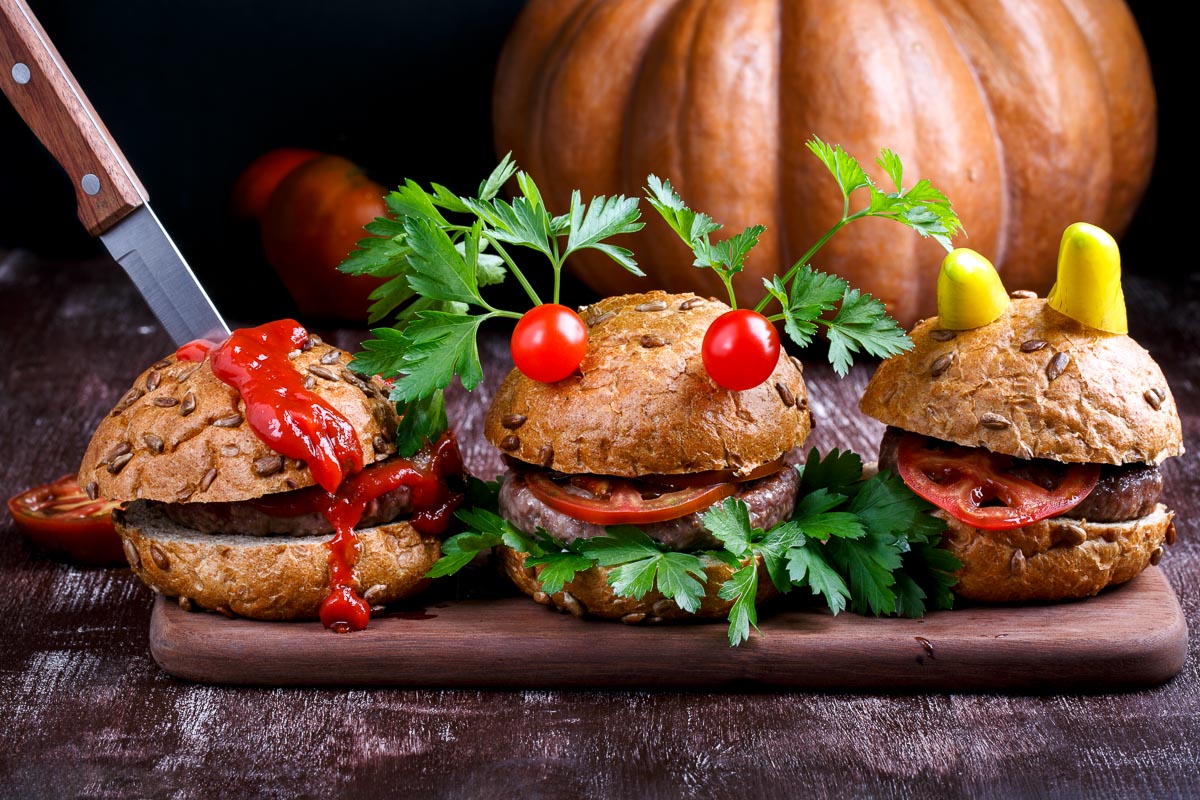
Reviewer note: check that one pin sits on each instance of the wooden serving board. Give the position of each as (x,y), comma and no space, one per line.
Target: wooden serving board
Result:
(1128,637)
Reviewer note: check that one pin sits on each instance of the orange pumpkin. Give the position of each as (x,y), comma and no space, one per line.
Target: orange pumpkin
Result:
(1029,114)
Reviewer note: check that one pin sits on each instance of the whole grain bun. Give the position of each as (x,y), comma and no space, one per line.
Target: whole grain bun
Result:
(1055,559)
(1032,384)
(590,594)
(180,435)
(268,577)
(642,402)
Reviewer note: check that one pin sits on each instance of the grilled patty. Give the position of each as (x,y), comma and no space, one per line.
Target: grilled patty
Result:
(771,500)
(1125,491)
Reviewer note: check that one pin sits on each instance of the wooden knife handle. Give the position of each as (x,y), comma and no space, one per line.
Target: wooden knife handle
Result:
(46,95)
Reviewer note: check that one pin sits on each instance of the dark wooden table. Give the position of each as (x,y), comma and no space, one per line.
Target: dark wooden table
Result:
(85,712)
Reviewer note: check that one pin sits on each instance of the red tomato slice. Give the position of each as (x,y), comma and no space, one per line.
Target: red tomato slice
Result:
(604,500)
(978,487)
(59,517)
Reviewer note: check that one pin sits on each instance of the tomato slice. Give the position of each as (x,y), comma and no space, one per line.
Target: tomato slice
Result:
(62,519)
(604,500)
(979,487)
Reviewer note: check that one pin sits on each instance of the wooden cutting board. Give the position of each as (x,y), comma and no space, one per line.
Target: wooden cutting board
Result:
(1128,637)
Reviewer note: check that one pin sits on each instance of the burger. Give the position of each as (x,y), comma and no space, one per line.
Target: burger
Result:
(259,477)
(1039,438)
(642,436)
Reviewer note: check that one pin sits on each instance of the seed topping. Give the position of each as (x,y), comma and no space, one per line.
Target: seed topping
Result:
(208,479)
(1058,363)
(1017,565)
(653,305)
(166,402)
(994,421)
(653,340)
(690,303)
(166,362)
(92,489)
(941,364)
(785,394)
(510,443)
(605,317)
(1073,535)
(152,380)
(546,456)
(942,335)
(1156,556)
(228,421)
(153,441)
(1032,345)
(332,357)
(267,465)
(188,405)
(159,558)
(118,463)
(1022,294)
(513,421)
(323,372)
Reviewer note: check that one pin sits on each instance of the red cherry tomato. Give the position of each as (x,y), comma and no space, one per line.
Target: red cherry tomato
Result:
(978,487)
(740,349)
(60,518)
(259,179)
(549,342)
(604,500)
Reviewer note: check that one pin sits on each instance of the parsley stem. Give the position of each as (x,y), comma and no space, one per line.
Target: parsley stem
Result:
(812,251)
(512,267)
(728,279)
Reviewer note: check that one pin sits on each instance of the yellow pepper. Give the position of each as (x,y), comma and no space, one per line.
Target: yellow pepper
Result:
(1088,288)
(969,291)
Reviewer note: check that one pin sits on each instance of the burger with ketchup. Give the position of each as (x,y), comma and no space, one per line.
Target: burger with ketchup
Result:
(1037,428)
(259,477)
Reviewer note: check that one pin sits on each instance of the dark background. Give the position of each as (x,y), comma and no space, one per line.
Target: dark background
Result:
(193,92)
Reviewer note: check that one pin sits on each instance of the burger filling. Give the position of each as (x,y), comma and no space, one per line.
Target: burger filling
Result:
(571,507)
(1119,493)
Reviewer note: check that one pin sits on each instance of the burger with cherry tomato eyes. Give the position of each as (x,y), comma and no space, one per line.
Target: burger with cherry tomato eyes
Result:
(1039,438)
(642,435)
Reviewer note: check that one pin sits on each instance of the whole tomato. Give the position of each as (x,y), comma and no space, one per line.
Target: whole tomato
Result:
(258,180)
(311,222)
(740,349)
(549,342)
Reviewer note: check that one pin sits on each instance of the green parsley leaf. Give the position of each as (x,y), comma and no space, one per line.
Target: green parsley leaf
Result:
(729,522)
(439,270)
(742,588)
(868,563)
(807,567)
(837,471)
(558,569)
(862,323)
(690,226)
(641,565)
(460,550)
(437,346)
(844,167)
(421,421)
(602,218)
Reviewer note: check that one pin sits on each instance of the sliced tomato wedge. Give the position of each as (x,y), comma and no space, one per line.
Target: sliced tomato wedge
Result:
(604,500)
(61,518)
(979,487)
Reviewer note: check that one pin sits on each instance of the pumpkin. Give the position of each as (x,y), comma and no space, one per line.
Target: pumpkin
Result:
(1029,114)
(312,219)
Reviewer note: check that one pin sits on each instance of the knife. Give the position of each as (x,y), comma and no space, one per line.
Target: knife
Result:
(112,203)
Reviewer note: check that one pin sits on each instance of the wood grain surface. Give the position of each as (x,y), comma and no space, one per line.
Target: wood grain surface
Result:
(1133,636)
(89,714)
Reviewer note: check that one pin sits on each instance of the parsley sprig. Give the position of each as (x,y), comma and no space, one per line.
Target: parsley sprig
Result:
(805,295)
(436,252)
(863,543)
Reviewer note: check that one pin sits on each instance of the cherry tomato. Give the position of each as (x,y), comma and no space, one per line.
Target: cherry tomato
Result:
(978,487)
(549,342)
(741,349)
(62,519)
(259,179)
(604,500)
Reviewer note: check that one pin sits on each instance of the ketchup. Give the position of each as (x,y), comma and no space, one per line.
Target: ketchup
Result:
(299,424)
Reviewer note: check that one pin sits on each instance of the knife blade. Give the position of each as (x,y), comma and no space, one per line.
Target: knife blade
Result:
(111,201)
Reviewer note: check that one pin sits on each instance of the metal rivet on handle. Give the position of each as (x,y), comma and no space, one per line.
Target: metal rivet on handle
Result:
(90,184)
(20,73)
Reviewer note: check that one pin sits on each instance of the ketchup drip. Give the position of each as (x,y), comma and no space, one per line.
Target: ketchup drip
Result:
(297,423)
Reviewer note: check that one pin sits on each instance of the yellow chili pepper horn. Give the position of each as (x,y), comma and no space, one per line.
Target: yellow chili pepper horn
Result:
(969,291)
(1088,288)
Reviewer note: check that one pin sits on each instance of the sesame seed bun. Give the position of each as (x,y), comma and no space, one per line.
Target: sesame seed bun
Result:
(179,435)
(642,402)
(1032,384)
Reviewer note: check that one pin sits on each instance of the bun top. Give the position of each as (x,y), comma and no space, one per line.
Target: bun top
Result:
(180,434)
(643,403)
(1032,384)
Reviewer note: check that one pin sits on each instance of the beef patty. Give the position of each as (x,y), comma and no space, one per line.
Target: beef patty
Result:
(1125,491)
(771,500)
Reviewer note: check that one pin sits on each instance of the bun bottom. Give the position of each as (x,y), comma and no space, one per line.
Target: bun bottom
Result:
(268,577)
(1056,558)
(590,594)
